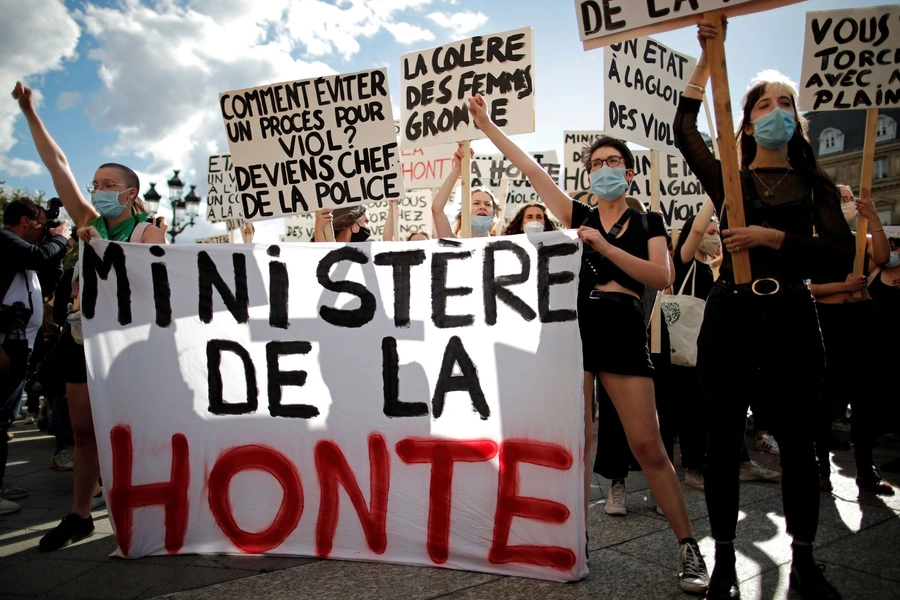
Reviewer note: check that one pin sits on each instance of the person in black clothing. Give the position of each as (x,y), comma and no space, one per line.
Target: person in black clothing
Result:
(31,267)
(616,267)
(766,330)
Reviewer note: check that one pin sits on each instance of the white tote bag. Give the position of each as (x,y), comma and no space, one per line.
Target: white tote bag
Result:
(684,315)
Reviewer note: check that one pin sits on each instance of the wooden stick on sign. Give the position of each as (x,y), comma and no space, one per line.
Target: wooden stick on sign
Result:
(501,200)
(712,126)
(655,323)
(865,192)
(465,223)
(731,174)
(328,231)
(395,220)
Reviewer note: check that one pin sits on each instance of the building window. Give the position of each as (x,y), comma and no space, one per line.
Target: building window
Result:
(880,170)
(831,140)
(886,129)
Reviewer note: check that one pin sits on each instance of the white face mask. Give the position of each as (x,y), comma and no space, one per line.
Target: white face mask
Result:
(533,227)
(849,210)
(710,245)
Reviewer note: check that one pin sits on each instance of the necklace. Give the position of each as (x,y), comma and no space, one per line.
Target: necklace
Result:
(770,191)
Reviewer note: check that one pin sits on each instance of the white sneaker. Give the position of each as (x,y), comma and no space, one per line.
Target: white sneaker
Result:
(62,461)
(98,500)
(756,472)
(8,506)
(767,443)
(655,506)
(692,574)
(615,500)
(694,479)
(11,492)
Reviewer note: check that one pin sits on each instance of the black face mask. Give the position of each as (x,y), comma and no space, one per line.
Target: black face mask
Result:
(361,235)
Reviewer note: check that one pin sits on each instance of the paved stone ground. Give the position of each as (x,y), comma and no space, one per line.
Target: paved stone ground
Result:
(631,557)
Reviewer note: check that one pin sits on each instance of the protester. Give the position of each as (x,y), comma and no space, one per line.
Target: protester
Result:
(350,224)
(766,329)
(849,323)
(113,190)
(616,268)
(531,218)
(32,263)
(388,232)
(485,209)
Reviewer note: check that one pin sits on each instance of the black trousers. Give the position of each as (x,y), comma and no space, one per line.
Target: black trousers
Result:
(854,344)
(749,343)
(11,388)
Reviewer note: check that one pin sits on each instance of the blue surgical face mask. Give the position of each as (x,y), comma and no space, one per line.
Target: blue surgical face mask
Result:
(608,183)
(775,129)
(894,261)
(107,203)
(481,224)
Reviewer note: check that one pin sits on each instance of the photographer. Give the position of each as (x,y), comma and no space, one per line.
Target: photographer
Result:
(32,248)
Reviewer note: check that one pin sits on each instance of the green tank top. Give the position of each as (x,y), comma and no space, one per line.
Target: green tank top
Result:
(122,231)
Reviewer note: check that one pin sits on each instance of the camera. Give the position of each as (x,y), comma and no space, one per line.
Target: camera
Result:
(14,321)
(53,221)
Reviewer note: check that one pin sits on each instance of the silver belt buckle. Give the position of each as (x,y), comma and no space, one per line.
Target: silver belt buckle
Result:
(767,281)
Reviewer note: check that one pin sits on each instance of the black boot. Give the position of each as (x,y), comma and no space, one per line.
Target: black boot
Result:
(809,578)
(723,583)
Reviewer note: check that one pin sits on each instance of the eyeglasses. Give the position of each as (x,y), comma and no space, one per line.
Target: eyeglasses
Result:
(612,162)
(102,186)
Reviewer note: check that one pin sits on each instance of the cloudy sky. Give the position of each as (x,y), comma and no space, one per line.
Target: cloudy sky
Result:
(137,81)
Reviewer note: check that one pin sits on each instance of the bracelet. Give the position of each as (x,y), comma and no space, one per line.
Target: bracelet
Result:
(699,66)
(876,230)
(697,87)
(776,237)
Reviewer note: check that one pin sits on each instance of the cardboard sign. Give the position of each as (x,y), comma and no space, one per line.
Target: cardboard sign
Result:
(399,403)
(222,200)
(424,168)
(438,82)
(604,22)
(489,169)
(214,239)
(299,146)
(643,84)
(681,193)
(850,59)
(414,214)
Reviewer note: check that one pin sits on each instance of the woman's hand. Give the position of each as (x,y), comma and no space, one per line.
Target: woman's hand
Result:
(478,110)
(593,238)
(707,30)
(24,96)
(737,239)
(458,156)
(866,208)
(854,283)
(86,233)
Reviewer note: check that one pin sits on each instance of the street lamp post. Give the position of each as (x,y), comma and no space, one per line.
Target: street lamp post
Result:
(184,209)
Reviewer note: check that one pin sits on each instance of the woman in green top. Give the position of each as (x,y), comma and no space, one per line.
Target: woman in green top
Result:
(113,213)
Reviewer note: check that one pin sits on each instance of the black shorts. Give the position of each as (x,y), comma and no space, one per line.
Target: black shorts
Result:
(613,334)
(74,365)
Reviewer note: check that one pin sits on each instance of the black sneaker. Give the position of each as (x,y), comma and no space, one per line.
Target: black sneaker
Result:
(70,530)
(810,581)
(723,584)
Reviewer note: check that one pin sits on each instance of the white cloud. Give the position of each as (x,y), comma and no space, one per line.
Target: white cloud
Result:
(67,100)
(408,34)
(460,23)
(35,37)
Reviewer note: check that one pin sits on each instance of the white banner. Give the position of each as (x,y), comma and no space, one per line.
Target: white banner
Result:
(604,22)
(214,239)
(681,194)
(643,84)
(437,84)
(299,146)
(352,401)
(223,202)
(850,59)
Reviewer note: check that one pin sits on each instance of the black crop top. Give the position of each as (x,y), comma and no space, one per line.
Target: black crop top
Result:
(799,204)
(633,241)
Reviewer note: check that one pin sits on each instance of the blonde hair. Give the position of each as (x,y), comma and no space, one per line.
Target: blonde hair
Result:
(457,223)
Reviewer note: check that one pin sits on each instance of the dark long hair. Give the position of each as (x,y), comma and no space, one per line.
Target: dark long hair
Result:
(515,226)
(800,151)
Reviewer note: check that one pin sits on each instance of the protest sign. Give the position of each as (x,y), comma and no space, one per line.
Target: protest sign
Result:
(425,168)
(438,82)
(643,84)
(222,200)
(214,239)
(850,59)
(488,170)
(300,146)
(342,401)
(413,212)
(681,194)
(300,227)
(604,22)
